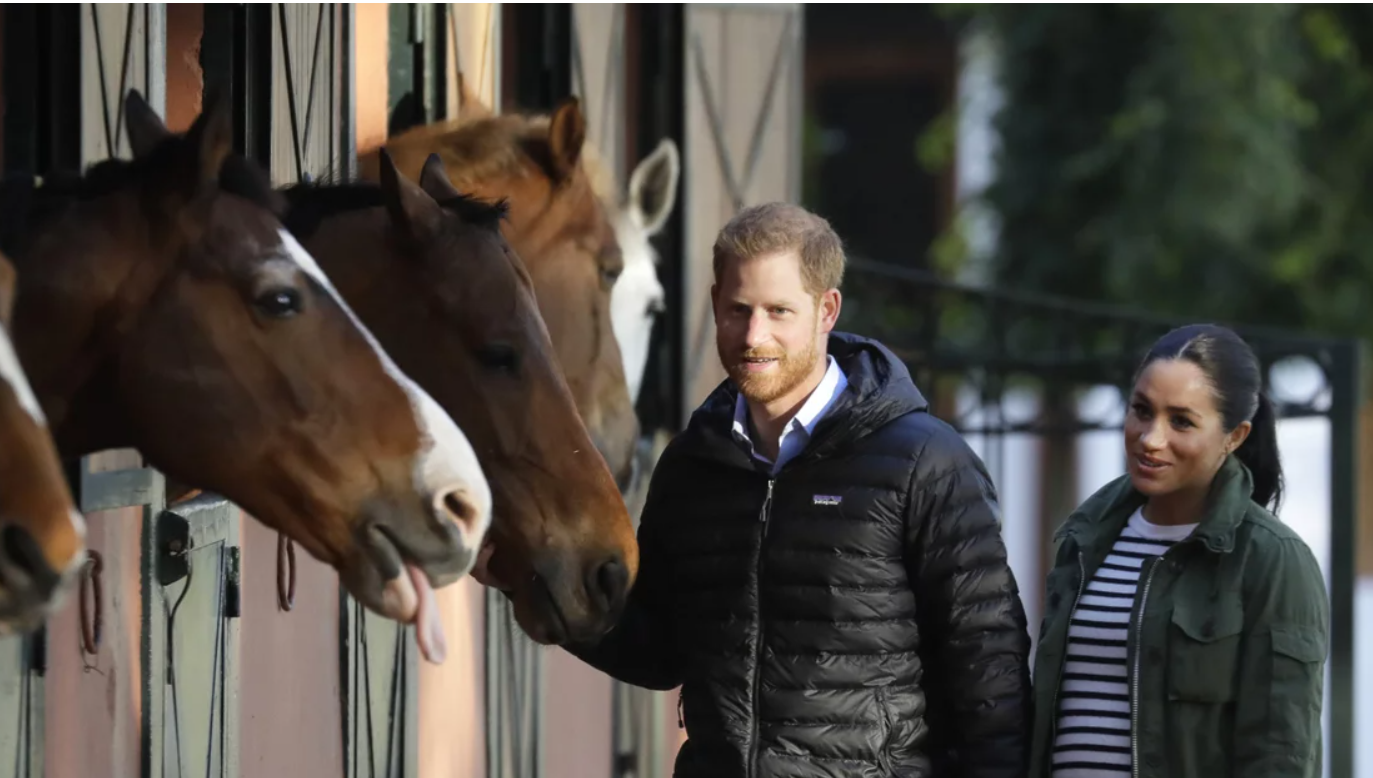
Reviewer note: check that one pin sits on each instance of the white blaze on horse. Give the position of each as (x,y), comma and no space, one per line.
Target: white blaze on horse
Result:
(42,536)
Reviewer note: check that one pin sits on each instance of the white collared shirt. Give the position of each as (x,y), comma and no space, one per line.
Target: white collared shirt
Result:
(796,434)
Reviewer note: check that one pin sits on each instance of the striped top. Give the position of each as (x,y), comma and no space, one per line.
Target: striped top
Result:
(1093,739)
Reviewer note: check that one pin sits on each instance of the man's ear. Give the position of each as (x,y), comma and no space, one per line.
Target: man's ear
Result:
(831,303)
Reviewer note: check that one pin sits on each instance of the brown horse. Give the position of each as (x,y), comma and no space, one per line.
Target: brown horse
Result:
(42,536)
(428,271)
(162,307)
(563,232)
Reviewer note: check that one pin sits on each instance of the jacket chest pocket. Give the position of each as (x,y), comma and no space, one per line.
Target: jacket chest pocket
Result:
(1203,649)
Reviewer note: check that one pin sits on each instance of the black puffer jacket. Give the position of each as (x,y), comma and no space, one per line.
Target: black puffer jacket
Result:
(853,616)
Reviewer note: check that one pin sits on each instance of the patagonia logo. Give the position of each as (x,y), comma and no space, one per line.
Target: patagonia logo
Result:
(826,499)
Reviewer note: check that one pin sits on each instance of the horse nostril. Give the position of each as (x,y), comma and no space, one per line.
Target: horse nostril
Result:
(457,509)
(22,551)
(611,584)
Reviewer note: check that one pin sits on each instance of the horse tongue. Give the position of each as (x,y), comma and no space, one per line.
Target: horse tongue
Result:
(428,624)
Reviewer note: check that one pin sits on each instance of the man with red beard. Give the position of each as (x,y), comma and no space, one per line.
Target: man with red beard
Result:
(821,563)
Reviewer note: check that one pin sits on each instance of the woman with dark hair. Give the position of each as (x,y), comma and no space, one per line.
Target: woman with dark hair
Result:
(1185,627)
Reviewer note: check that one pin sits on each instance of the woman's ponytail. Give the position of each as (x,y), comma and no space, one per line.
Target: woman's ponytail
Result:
(1259,453)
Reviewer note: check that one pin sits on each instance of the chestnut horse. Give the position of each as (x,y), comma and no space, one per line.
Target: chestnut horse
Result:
(162,307)
(428,271)
(561,229)
(42,536)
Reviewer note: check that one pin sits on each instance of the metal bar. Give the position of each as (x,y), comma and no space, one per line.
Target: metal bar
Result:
(154,635)
(1081,309)
(60,101)
(290,90)
(100,68)
(21,50)
(347,91)
(314,71)
(437,63)
(410,711)
(253,49)
(777,8)
(347,684)
(493,660)
(1346,381)
(124,63)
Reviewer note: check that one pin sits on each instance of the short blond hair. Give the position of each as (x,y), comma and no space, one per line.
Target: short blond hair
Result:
(774,227)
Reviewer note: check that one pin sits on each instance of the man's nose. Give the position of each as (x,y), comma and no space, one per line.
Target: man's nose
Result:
(757,333)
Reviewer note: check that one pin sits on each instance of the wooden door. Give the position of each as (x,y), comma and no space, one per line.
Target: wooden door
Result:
(742,146)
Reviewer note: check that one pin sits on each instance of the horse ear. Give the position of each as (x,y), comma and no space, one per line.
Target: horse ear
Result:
(7,285)
(413,212)
(470,105)
(566,134)
(653,187)
(211,137)
(145,128)
(434,180)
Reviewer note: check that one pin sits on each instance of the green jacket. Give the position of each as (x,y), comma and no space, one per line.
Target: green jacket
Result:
(1227,659)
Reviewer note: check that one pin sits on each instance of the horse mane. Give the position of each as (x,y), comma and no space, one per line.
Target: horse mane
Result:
(483,147)
(248,180)
(309,204)
(28,201)
(486,146)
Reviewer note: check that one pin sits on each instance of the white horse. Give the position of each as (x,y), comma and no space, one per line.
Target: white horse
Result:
(638,296)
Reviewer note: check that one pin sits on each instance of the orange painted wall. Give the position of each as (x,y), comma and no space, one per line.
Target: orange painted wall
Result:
(371,29)
(185,80)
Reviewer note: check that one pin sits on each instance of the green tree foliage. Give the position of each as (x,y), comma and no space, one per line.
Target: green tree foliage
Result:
(1196,160)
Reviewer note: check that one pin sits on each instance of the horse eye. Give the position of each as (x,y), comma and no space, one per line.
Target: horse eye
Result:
(611,274)
(499,356)
(279,303)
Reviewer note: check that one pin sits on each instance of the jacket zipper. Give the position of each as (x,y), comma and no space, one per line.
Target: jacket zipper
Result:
(1081,584)
(884,758)
(1134,681)
(763,516)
